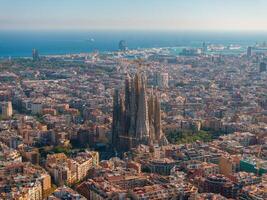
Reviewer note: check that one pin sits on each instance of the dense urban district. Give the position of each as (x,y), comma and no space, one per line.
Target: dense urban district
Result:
(134,124)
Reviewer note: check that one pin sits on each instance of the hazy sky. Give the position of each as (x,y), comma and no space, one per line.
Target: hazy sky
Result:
(134,14)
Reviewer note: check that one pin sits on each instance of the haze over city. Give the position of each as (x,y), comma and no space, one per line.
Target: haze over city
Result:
(227,15)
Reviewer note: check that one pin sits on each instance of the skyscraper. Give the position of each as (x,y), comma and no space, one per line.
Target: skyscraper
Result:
(204,47)
(35,55)
(136,116)
(122,45)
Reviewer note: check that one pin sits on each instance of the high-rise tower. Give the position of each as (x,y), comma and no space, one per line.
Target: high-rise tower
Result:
(122,45)
(35,55)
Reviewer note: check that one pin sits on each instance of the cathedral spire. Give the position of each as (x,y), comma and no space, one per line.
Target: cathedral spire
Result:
(142,123)
(127,101)
(122,118)
(133,109)
(157,118)
(115,122)
(151,110)
(136,115)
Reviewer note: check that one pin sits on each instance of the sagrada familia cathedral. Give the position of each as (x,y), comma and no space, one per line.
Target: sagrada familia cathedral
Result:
(136,116)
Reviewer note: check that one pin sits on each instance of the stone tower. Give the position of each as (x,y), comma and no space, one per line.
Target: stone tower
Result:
(136,115)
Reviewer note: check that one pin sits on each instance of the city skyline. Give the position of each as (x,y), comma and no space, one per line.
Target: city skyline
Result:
(207,15)
(133,99)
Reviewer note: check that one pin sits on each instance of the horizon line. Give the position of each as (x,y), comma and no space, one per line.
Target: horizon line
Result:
(137,30)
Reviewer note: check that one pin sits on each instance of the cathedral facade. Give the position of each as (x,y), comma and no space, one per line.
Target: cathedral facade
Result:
(136,116)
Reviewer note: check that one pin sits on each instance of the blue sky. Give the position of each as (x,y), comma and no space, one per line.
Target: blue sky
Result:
(249,15)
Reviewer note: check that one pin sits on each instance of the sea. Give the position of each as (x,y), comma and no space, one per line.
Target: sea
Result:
(20,43)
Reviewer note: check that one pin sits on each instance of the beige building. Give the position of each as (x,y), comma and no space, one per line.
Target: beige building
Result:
(84,162)
(35,192)
(207,169)
(66,170)
(7,110)
(31,191)
(229,164)
(46,182)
